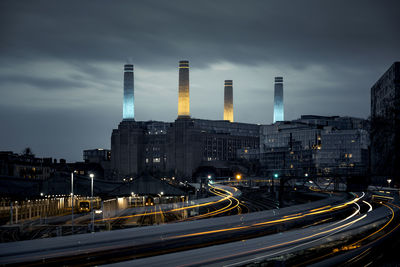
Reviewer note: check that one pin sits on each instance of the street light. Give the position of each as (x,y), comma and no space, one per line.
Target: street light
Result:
(389,180)
(72,201)
(238,176)
(91,201)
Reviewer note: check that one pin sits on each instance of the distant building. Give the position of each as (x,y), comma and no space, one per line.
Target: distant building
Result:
(25,166)
(385,126)
(179,148)
(187,147)
(343,152)
(315,145)
(96,155)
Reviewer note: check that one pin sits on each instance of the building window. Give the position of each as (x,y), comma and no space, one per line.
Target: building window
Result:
(147,160)
(156,160)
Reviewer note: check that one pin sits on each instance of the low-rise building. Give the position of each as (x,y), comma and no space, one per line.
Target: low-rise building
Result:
(25,166)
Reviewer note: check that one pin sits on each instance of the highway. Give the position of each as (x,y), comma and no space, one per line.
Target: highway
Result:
(237,239)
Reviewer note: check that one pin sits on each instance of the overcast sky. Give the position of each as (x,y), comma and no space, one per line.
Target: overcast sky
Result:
(61,63)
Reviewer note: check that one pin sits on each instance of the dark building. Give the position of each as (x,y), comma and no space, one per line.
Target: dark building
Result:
(178,148)
(96,155)
(316,145)
(25,166)
(385,126)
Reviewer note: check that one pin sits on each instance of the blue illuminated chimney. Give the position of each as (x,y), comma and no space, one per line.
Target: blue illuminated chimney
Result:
(128,112)
(278,100)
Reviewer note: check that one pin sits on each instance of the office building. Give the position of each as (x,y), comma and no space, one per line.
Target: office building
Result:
(96,155)
(317,145)
(385,126)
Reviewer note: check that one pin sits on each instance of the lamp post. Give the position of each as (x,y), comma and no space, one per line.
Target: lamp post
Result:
(389,180)
(72,201)
(91,201)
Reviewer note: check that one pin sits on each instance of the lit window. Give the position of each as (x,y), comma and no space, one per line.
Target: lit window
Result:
(147,160)
(156,159)
(350,155)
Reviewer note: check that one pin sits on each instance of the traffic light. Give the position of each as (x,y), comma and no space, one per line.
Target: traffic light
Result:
(276,175)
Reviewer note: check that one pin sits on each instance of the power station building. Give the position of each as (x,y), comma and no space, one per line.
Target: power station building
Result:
(180,148)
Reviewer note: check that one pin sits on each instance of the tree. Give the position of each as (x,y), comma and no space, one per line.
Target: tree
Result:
(27,152)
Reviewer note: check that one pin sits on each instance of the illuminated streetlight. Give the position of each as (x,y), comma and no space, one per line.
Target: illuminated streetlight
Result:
(389,180)
(238,176)
(91,201)
(72,201)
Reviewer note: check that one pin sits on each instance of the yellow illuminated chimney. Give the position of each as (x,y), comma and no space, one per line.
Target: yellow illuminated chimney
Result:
(183,98)
(228,100)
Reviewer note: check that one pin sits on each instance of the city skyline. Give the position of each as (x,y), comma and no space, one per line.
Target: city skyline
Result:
(61,83)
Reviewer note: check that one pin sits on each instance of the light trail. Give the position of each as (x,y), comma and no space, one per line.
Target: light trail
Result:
(379,230)
(335,231)
(228,196)
(370,206)
(357,244)
(283,219)
(229,207)
(329,232)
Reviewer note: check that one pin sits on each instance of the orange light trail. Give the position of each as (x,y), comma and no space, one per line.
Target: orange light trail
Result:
(283,219)
(227,196)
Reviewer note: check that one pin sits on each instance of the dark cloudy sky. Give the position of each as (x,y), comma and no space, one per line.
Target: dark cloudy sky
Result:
(61,63)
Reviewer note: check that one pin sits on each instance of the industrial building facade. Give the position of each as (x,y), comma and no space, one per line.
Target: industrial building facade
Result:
(316,145)
(385,126)
(177,148)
